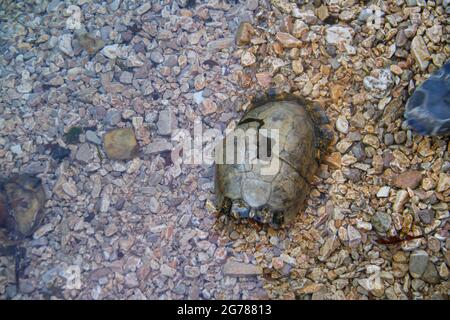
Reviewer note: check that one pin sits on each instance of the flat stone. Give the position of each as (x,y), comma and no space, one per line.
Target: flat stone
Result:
(264,79)
(156,57)
(418,262)
(338,34)
(329,246)
(354,237)
(131,280)
(443,183)
(342,124)
(191,272)
(120,144)
(247,59)
(426,216)
(322,12)
(244,34)
(92,136)
(409,179)
(383,192)
(431,274)
(334,160)
(143,8)
(240,269)
(167,271)
(381,221)
(126,77)
(220,44)
(157,146)
(112,117)
(70,189)
(379,86)
(84,153)
(297,67)
(287,40)
(400,200)
(167,121)
(208,106)
(65,44)
(420,52)
(110,51)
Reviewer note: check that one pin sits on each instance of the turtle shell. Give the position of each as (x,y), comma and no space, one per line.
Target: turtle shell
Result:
(272,188)
(428,109)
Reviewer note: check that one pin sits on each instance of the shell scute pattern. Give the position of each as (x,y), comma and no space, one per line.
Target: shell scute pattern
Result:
(242,191)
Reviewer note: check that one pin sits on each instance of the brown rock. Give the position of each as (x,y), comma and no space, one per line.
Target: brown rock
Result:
(444,182)
(240,269)
(409,179)
(264,79)
(400,200)
(297,66)
(247,58)
(333,160)
(322,12)
(120,144)
(336,92)
(287,40)
(244,34)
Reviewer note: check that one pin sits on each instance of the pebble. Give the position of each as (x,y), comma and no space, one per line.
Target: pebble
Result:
(409,179)
(70,189)
(426,216)
(157,146)
(126,77)
(208,106)
(92,136)
(239,269)
(381,221)
(247,59)
(287,40)
(342,124)
(400,200)
(383,192)
(112,117)
(431,274)
(84,153)
(191,272)
(244,34)
(420,52)
(167,121)
(418,262)
(297,67)
(338,34)
(443,183)
(65,44)
(143,8)
(379,86)
(354,237)
(111,51)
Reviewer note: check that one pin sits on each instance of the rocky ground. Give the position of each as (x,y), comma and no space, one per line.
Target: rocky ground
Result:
(146,228)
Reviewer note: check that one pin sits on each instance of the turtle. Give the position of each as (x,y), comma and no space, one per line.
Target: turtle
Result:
(22,200)
(292,133)
(428,109)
